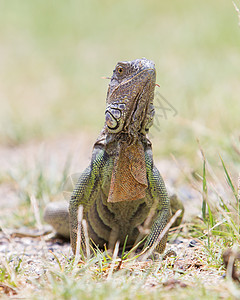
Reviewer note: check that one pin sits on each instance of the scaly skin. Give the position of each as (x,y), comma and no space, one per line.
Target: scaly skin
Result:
(122,190)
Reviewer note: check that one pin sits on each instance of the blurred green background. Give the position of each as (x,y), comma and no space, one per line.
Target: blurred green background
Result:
(54,53)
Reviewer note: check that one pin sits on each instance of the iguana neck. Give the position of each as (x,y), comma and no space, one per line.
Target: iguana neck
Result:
(112,141)
(129,179)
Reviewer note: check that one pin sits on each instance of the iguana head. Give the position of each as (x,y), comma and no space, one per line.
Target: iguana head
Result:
(130,97)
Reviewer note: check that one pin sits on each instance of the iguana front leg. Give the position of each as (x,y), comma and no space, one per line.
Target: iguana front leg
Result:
(157,193)
(85,193)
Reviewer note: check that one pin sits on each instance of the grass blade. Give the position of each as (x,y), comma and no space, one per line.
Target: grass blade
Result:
(204,190)
(229,180)
(124,246)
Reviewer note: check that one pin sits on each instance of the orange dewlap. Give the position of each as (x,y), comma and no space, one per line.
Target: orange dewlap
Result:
(129,178)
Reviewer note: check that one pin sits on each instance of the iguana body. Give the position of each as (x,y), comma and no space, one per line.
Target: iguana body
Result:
(122,190)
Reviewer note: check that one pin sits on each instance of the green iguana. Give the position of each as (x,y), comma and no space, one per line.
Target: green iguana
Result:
(121,188)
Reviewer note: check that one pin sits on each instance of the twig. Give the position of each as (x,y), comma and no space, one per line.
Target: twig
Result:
(39,223)
(85,231)
(238,12)
(115,253)
(79,230)
(36,212)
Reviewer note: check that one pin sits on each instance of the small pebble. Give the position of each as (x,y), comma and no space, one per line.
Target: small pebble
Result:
(193,243)
(177,242)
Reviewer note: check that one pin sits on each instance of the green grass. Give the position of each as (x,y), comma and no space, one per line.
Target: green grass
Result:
(52,58)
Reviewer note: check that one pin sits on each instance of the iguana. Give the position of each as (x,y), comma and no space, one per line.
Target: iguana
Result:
(121,189)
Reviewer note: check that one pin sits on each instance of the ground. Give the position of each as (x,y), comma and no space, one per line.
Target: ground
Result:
(38,264)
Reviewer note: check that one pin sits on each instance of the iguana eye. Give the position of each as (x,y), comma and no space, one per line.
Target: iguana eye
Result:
(120,70)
